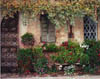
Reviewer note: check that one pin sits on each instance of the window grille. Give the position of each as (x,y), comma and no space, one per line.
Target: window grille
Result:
(90,28)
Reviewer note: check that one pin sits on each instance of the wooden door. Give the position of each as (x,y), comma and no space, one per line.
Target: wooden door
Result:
(9,44)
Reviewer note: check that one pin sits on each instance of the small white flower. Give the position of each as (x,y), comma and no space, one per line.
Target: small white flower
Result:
(60,67)
(83,66)
(84,46)
(65,68)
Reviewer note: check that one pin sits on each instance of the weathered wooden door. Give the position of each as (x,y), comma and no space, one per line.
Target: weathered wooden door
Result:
(9,44)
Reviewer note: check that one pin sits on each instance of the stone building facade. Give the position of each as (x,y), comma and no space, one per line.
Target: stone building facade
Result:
(61,34)
(11,40)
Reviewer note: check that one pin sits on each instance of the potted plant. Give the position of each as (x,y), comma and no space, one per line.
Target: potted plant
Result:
(28,39)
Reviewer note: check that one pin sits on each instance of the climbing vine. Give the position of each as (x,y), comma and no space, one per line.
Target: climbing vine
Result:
(60,12)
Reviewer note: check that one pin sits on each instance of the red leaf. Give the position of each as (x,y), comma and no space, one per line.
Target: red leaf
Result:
(98,54)
(70,53)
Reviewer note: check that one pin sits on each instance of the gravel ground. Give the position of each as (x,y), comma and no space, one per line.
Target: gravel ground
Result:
(16,76)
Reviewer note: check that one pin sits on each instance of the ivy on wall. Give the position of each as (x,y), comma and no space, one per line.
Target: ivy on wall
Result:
(60,12)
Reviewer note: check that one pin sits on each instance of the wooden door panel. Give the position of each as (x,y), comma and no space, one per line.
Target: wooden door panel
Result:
(9,43)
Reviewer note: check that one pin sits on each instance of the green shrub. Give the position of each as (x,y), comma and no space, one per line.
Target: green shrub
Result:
(84,59)
(65,57)
(75,47)
(61,48)
(90,43)
(89,69)
(41,65)
(93,52)
(51,47)
(58,59)
(69,54)
(25,58)
(40,61)
(38,52)
(53,68)
(28,57)
(28,39)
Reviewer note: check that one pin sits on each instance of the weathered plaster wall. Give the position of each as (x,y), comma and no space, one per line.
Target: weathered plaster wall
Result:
(98,29)
(22,29)
(78,30)
(61,35)
(34,28)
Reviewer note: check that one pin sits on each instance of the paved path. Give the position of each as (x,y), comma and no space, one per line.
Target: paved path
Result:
(15,76)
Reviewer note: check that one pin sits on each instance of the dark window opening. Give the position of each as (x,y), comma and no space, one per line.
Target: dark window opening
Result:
(47,29)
